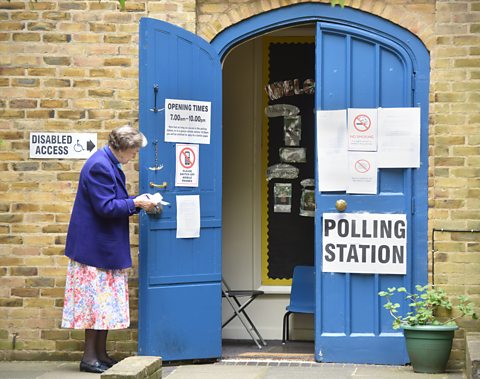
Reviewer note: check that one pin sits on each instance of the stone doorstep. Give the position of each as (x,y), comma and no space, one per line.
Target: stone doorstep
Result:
(137,367)
(472,351)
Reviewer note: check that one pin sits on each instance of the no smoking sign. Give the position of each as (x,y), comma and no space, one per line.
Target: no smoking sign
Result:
(362,123)
(362,129)
(186,173)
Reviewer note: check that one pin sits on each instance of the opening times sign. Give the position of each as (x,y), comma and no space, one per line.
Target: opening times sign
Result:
(365,243)
(187,121)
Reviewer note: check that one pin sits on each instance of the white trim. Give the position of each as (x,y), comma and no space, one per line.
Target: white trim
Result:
(276,290)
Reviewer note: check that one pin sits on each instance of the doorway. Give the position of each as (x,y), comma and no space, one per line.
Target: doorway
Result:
(261,244)
(362,61)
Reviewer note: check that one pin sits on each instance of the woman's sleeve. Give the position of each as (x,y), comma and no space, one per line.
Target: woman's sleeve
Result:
(102,189)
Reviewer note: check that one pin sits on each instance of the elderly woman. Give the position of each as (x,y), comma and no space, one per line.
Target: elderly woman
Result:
(98,245)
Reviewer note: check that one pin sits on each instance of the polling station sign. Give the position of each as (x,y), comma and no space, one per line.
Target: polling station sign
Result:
(366,243)
(62,145)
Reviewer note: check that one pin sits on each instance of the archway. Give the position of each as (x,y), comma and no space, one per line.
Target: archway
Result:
(407,51)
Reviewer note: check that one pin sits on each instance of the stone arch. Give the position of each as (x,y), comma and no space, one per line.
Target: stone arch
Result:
(213,18)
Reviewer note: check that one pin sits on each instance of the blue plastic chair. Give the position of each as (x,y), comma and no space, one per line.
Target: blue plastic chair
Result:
(302,295)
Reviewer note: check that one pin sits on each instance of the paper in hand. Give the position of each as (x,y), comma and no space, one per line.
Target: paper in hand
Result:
(157,198)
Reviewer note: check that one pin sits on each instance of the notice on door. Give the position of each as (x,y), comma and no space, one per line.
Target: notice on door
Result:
(399,137)
(186,173)
(188,216)
(331,142)
(365,243)
(62,145)
(187,121)
(362,176)
(362,129)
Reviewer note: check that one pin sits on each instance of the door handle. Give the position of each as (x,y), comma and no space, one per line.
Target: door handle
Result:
(163,185)
(341,205)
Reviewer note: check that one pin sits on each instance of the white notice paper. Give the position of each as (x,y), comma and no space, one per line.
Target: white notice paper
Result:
(362,170)
(332,150)
(188,216)
(399,137)
(187,121)
(362,129)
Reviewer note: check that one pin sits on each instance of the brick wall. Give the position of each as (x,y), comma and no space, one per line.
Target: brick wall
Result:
(72,66)
(65,66)
(455,152)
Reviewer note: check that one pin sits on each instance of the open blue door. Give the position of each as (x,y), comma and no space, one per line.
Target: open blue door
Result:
(359,69)
(180,278)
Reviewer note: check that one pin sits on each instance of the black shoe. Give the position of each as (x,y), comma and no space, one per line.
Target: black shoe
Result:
(96,367)
(109,363)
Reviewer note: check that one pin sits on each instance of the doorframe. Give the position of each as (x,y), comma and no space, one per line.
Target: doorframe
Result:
(383,29)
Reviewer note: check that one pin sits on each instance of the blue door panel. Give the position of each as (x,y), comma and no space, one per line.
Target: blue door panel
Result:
(328,312)
(186,339)
(385,281)
(395,80)
(360,348)
(180,279)
(198,264)
(332,73)
(361,70)
(390,180)
(361,320)
(364,86)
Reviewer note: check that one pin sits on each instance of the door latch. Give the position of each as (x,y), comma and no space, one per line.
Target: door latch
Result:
(163,185)
(155,93)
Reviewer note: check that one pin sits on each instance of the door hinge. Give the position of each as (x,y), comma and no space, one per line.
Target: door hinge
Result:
(414,81)
(413,206)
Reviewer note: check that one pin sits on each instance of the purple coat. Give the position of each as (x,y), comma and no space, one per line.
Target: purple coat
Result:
(98,234)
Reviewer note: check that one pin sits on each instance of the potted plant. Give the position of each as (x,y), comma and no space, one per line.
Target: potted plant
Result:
(429,326)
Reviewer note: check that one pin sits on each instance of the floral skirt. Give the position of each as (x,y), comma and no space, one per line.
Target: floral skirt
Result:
(95,298)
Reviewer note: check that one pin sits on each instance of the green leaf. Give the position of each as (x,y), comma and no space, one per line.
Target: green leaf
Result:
(122,4)
(339,2)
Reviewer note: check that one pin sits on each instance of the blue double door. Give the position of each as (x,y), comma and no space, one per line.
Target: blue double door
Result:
(180,279)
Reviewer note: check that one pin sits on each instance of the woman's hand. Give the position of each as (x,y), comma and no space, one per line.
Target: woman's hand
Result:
(144,202)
